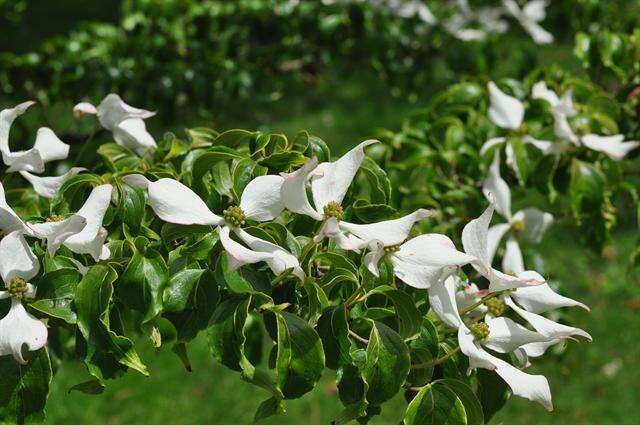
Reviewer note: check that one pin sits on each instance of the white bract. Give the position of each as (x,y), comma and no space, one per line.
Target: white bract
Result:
(419,262)
(91,239)
(530,223)
(330,182)
(18,265)
(174,202)
(125,122)
(476,242)
(47,147)
(507,112)
(47,187)
(530,17)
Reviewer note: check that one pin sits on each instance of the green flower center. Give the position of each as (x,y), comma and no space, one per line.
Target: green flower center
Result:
(518,226)
(496,306)
(333,210)
(234,216)
(523,130)
(17,287)
(391,249)
(582,129)
(480,331)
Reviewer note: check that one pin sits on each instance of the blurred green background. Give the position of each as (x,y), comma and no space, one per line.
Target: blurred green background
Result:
(341,98)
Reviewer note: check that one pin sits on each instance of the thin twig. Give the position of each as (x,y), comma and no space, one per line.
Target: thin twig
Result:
(355,297)
(436,361)
(478,303)
(358,337)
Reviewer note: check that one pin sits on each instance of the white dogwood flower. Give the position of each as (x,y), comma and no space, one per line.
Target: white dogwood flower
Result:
(529,224)
(47,147)
(55,232)
(476,242)
(329,184)
(18,265)
(615,147)
(507,112)
(499,334)
(125,122)
(488,21)
(174,202)
(529,303)
(562,104)
(411,9)
(530,17)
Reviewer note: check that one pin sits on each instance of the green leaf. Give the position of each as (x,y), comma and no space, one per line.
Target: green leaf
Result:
(201,136)
(55,293)
(300,360)
(172,232)
(118,158)
(232,138)
(370,213)
(334,331)
(177,293)
(379,185)
(93,296)
(24,388)
(435,404)
(142,282)
(205,162)
(587,183)
(316,299)
(408,316)
(335,260)
(197,313)
(270,407)
(226,334)
(73,189)
(472,406)
(93,386)
(176,149)
(387,364)
(131,206)
(493,392)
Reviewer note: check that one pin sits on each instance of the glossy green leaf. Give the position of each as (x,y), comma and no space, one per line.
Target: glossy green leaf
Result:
(24,388)
(300,360)
(387,364)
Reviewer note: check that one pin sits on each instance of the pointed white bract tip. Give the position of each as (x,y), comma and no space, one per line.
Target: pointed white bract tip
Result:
(84,108)
(585,334)
(423,213)
(370,142)
(137,180)
(24,105)
(491,198)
